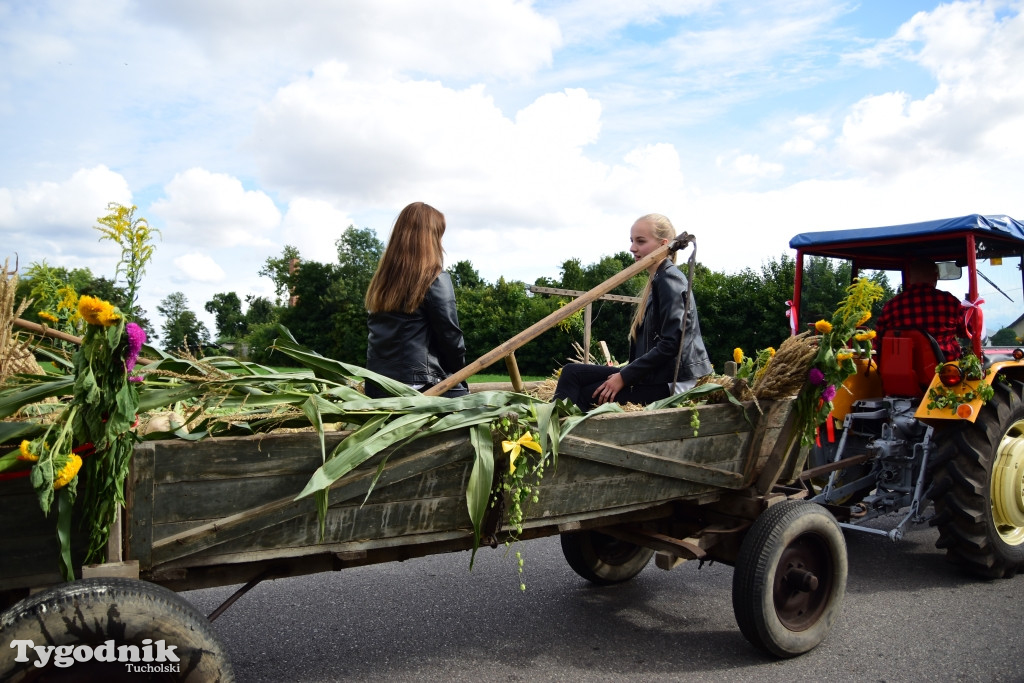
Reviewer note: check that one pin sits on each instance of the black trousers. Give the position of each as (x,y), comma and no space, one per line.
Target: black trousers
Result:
(578,382)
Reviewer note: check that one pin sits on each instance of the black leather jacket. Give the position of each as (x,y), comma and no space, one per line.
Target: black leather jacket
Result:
(652,354)
(419,348)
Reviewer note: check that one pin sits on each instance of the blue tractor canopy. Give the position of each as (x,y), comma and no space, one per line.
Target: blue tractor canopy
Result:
(964,240)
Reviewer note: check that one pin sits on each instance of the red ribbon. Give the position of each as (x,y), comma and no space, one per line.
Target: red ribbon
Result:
(84,451)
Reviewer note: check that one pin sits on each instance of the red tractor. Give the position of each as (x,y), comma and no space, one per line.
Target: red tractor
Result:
(912,427)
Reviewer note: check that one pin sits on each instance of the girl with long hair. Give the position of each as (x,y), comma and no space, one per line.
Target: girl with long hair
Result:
(654,336)
(415,336)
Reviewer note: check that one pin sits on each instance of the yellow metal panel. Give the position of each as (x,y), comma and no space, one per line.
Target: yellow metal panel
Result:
(866,383)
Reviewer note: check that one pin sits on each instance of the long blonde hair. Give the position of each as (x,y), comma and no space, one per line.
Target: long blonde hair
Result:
(411,261)
(662,229)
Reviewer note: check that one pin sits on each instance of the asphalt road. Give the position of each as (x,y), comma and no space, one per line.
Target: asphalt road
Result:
(908,616)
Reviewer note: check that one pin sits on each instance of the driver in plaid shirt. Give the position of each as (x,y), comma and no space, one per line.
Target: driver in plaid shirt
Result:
(921,306)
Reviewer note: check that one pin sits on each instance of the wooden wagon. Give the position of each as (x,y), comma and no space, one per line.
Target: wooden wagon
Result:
(627,486)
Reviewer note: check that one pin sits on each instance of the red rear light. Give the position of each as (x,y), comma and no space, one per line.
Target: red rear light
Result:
(950,375)
(1018,354)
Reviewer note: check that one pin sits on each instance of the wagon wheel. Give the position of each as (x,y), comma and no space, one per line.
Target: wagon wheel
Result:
(790,578)
(601,559)
(128,612)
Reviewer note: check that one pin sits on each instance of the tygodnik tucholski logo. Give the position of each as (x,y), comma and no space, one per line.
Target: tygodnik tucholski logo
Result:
(150,657)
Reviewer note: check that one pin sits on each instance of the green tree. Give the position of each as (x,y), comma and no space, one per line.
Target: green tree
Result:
(359,251)
(314,292)
(182,329)
(465,275)
(135,238)
(279,270)
(227,312)
(259,310)
(1004,337)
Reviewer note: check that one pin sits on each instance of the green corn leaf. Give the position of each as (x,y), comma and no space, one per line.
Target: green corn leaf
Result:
(481,477)
(13,400)
(689,395)
(364,443)
(312,410)
(336,370)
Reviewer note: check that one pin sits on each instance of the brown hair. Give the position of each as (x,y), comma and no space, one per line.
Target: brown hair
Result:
(662,229)
(411,261)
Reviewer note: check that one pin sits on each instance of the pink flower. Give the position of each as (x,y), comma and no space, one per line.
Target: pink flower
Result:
(829,393)
(136,338)
(816,376)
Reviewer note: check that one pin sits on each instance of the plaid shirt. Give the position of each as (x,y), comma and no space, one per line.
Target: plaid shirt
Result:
(925,308)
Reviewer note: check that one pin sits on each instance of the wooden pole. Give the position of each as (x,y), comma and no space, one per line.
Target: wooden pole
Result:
(57,334)
(588,313)
(545,324)
(513,372)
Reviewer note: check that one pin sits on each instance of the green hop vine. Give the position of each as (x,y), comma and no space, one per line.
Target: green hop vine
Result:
(519,485)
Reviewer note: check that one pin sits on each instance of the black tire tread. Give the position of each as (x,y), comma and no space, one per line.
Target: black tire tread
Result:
(960,490)
(752,567)
(81,612)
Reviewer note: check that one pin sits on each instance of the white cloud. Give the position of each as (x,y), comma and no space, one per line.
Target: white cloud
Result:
(384,144)
(753,165)
(199,267)
(809,131)
(976,108)
(214,209)
(313,226)
(449,38)
(54,220)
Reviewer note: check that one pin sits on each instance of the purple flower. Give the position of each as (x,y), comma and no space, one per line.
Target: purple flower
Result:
(829,393)
(136,338)
(816,376)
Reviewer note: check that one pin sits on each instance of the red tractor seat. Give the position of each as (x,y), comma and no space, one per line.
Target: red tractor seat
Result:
(907,362)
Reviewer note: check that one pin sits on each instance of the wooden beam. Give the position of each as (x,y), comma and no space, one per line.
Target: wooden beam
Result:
(556,291)
(57,334)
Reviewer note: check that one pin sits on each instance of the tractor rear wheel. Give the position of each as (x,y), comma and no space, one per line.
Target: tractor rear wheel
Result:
(978,491)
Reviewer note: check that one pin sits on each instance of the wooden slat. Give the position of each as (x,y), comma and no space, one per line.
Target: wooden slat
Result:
(668,424)
(225,458)
(635,459)
(139,505)
(764,437)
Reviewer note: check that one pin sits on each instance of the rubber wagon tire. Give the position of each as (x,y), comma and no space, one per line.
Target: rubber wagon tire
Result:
(127,611)
(978,487)
(790,578)
(601,559)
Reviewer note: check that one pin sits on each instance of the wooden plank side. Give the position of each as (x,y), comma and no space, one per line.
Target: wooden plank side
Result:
(668,424)
(375,522)
(416,465)
(218,458)
(641,460)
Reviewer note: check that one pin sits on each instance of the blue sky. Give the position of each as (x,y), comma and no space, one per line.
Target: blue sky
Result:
(541,130)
